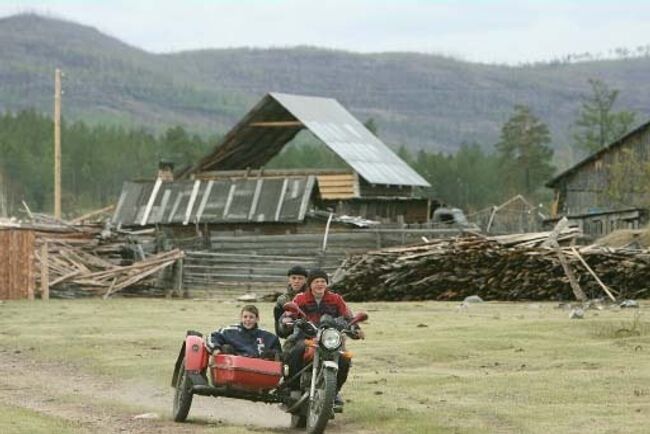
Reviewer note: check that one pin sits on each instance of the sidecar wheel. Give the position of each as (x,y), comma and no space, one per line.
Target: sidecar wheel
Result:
(322,407)
(183,395)
(298,421)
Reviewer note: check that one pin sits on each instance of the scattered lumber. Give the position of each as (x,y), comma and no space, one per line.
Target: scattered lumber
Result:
(512,267)
(74,266)
(77,260)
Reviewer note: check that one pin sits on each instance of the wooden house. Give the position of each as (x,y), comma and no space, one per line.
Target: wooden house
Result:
(608,190)
(230,187)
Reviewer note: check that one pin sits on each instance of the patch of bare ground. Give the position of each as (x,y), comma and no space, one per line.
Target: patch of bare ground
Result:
(108,405)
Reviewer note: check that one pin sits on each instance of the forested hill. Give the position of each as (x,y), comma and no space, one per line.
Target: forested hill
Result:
(420,101)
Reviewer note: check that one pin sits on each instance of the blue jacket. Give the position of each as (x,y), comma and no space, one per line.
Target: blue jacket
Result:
(251,343)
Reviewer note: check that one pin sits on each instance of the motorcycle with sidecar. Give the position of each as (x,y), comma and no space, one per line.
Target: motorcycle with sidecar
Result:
(197,372)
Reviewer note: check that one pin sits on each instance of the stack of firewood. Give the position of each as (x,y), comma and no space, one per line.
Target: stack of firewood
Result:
(513,267)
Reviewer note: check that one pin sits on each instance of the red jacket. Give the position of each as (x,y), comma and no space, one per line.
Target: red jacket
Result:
(331,304)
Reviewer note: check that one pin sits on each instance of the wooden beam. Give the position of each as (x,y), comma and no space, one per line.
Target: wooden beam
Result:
(231,194)
(204,200)
(92,214)
(552,242)
(152,199)
(190,205)
(256,198)
(45,273)
(57,143)
(278,124)
(281,200)
(595,276)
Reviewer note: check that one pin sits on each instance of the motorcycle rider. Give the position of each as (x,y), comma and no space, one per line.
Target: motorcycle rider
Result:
(317,301)
(245,338)
(297,276)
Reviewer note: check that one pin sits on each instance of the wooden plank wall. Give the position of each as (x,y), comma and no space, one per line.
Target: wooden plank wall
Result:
(16,264)
(585,191)
(259,263)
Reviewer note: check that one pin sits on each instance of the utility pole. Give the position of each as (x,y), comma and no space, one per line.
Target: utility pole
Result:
(57,143)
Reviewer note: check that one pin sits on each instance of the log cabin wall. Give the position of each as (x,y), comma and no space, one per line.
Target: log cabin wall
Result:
(584,189)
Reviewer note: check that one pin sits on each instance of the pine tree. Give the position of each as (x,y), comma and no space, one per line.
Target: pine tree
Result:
(598,125)
(524,154)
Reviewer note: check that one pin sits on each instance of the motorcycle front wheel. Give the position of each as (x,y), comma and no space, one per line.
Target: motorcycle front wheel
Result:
(321,407)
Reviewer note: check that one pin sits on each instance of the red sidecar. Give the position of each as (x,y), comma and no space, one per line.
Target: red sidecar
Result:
(197,373)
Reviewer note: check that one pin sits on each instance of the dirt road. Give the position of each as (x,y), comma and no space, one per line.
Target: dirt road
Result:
(106,405)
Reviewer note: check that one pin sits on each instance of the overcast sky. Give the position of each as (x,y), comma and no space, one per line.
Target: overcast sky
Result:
(509,31)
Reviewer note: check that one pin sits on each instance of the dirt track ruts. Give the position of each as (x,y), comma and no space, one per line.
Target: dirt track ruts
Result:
(106,405)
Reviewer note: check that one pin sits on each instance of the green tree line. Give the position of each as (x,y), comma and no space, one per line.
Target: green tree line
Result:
(98,159)
(95,161)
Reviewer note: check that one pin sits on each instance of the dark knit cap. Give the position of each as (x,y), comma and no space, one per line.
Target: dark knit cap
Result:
(297,270)
(315,274)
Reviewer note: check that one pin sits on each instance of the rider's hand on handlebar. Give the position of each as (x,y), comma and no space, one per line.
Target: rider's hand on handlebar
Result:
(301,324)
(341,323)
(357,333)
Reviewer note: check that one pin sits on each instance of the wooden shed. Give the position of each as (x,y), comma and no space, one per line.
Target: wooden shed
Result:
(609,189)
(231,186)
(377,185)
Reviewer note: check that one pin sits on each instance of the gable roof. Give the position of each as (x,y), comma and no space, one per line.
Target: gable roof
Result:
(276,120)
(595,156)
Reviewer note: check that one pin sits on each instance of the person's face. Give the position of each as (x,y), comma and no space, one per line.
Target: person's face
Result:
(318,287)
(248,319)
(296,281)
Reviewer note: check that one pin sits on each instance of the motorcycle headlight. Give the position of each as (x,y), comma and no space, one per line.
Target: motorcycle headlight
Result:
(331,339)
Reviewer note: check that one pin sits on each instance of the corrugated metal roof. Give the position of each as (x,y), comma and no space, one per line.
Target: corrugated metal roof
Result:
(214,201)
(278,117)
(350,139)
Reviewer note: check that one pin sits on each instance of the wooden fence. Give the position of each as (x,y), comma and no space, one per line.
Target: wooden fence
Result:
(258,263)
(16,264)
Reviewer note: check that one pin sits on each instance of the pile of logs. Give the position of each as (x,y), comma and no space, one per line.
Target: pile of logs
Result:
(513,267)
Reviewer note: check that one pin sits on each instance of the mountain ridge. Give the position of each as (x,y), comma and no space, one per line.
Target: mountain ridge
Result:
(421,101)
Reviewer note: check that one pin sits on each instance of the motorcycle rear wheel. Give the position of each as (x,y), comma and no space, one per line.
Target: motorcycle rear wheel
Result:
(182,396)
(321,408)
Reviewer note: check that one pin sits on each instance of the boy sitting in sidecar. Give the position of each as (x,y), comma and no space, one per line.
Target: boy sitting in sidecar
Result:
(245,338)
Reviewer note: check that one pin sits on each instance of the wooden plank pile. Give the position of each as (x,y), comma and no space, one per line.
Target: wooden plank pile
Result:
(72,271)
(512,267)
(81,262)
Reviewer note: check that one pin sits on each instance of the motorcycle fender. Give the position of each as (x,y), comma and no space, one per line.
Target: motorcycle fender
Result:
(196,356)
(177,365)
(331,365)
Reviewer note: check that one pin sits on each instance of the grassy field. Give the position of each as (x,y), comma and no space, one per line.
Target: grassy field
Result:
(424,368)
(15,420)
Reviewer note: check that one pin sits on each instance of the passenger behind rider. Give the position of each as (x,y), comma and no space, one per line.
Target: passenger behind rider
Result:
(297,276)
(317,301)
(245,338)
